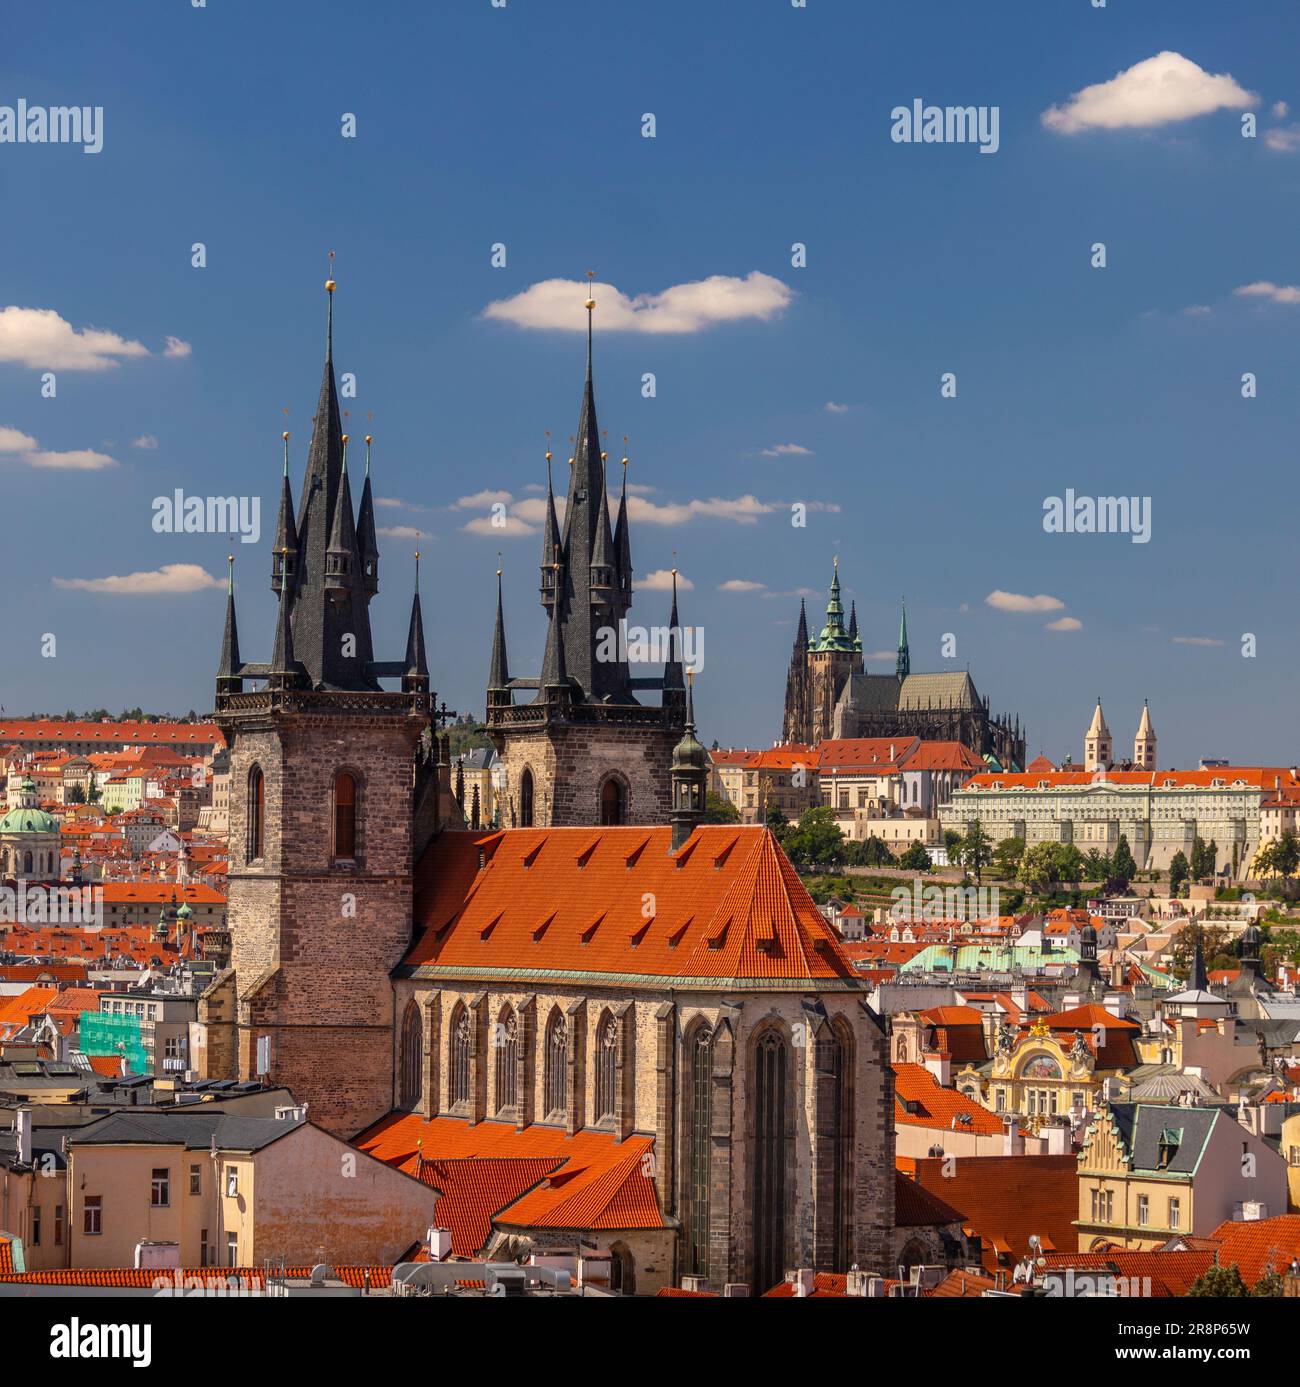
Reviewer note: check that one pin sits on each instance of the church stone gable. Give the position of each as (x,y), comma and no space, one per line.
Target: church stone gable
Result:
(1102,1148)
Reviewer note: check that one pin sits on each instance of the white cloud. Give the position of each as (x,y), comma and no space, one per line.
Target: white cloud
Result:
(1196,640)
(30,454)
(1019,602)
(146,441)
(743,510)
(1156,91)
(832,408)
(558,304)
(1065,623)
(175,347)
(661,580)
(533,509)
(1281,110)
(77,460)
(401,532)
(170,578)
(1196,310)
(40,338)
(1284,139)
(512,527)
(14,441)
(786,449)
(1265,289)
(881,655)
(741,585)
(482,498)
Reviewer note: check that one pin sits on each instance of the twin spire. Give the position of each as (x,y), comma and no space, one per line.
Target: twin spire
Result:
(325,570)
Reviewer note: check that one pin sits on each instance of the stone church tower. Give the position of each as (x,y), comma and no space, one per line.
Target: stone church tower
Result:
(819,670)
(584,749)
(1144,744)
(1097,746)
(331,784)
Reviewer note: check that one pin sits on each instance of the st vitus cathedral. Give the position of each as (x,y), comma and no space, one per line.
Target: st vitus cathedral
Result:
(829,695)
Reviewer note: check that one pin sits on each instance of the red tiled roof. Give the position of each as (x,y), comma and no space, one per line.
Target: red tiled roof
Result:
(1008,1198)
(1171,1273)
(144,1279)
(936,1106)
(473,1189)
(596,1182)
(1258,1246)
(916,1207)
(726,905)
(129,733)
(825,1285)
(1253,777)
(962,1285)
(863,753)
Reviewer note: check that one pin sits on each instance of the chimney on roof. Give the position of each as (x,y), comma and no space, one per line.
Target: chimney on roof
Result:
(23,1135)
(1013,1139)
(803,1282)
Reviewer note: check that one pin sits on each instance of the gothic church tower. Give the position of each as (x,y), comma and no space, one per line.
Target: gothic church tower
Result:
(329,784)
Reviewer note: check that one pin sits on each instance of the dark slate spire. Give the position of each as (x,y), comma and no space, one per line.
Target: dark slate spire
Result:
(499,670)
(603,592)
(554,673)
(801,635)
(673,665)
(586,539)
(332,637)
(903,665)
(228,680)
(416,678)
(551,541)
(1198,981)
(367,543)
(342,554)
(286,670)
(623,548)
(284,557)
(688,778)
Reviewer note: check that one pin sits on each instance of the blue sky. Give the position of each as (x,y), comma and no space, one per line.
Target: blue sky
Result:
(522,125)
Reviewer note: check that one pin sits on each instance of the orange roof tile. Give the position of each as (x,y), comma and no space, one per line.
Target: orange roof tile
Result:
(596,1182)
(920,1100)
(474,1188)
(1259,1246)
(728,905)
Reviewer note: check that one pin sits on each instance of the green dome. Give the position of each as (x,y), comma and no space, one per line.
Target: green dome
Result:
(28,820)
(184,912)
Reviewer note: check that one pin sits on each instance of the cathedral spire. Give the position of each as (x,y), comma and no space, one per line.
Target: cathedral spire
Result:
(673,664)
(367,543)
(285,667)
(551,541)
(228,680)
(801,635)
(499,670)
(555,676)
(903,665)
(284,557)
(416,678)
(623,547)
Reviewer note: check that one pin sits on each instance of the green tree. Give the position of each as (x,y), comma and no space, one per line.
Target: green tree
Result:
(915,859)
(1098,865)
(952,841)
(92,794)
(1286,855)
(1069,863)
(76,794)
(1202,861)
(1178,870)
(1039,868)
(1219,1282)
(777,822)
(1270,1284)
(718,809)
(816,840)
(1122,864)
(1216,947)
(1007,856)
(976,849)
(875,853)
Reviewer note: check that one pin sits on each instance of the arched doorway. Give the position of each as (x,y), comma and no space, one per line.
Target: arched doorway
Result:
(613,809)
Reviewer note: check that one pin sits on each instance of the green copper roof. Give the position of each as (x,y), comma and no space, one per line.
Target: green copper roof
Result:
(833,635)
(25,819)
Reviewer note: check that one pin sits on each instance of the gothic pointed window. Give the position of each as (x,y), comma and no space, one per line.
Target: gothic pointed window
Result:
(526,799)
(506,1040)
(699,1128)
(606,1068)
(256,813)
(345,815)
(770,1083)
(412,1056)
(834,1119)
(611,802)
(555,1077)
(458,1058)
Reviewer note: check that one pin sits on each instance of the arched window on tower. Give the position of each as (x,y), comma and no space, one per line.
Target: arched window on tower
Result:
(345,815)
(555,1076)
(606,1068)
(256,813)
(611,802)
(506,1044)
(27,862)
(526,799)
(412,1056)
(458,1057)
(834,1120)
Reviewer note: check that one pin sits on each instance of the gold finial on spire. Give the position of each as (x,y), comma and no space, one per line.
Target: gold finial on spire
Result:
(625,451)
(498,563)
(548,444)
(591,303)
(329,280)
